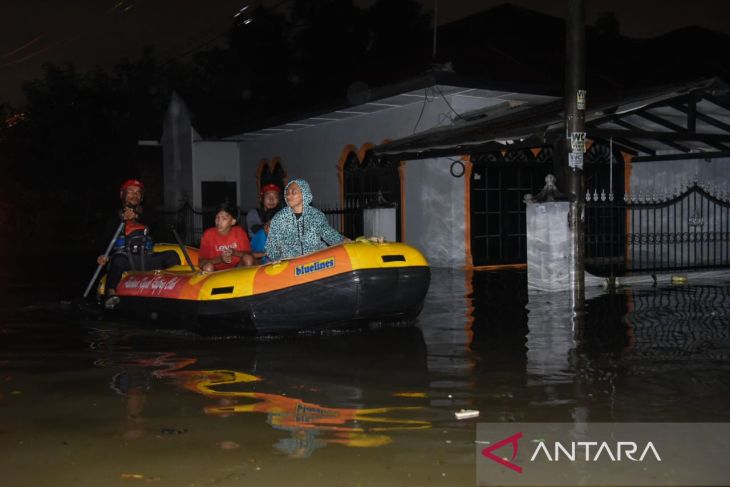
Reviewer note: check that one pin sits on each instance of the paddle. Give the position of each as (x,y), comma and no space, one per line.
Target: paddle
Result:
(182,247)
(106,254)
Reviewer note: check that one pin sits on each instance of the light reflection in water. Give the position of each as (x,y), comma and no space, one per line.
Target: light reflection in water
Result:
(311,425)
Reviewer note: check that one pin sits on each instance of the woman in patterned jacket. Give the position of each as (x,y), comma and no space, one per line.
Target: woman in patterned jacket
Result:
(298,228)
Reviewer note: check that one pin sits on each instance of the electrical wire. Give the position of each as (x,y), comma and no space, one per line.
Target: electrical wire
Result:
(423,107)
(220,35)
(17,49)
(458,115)
(426,100)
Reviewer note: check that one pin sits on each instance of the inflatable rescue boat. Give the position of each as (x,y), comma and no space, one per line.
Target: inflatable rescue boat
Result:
(348,284)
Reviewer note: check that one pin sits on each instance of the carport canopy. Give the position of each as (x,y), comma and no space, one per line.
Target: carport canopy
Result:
(677,121)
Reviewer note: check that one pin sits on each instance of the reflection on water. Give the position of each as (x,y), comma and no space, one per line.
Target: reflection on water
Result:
(113,399)
(345,360)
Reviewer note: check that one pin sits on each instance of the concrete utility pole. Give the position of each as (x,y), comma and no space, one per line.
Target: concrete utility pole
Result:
(575,135)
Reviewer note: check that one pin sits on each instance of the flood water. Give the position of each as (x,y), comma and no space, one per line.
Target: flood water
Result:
(88,401)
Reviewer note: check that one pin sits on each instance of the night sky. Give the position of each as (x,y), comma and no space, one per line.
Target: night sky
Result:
(102,32)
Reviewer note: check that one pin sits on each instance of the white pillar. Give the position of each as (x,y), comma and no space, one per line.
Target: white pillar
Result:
(379,222)
(548,246)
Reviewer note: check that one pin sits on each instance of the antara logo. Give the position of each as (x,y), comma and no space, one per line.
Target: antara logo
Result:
(314,266)
(589,451)
(514,441)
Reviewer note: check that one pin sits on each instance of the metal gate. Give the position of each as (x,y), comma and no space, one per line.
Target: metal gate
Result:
(645,233)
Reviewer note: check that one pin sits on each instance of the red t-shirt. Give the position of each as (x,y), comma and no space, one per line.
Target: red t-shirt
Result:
(213,243)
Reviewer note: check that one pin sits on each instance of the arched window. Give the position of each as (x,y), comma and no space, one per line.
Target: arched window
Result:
(371,181)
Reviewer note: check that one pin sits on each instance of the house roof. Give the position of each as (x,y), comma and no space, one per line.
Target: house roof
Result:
(670,120)
(412,91)
(486,53)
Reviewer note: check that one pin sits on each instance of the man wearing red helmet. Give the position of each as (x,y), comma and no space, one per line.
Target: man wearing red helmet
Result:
(133,249)
(270,203)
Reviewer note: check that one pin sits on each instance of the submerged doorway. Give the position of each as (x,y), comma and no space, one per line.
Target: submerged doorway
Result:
(498,186)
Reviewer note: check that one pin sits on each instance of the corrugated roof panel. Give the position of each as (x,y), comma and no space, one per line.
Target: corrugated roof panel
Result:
(647,125)
(670,114)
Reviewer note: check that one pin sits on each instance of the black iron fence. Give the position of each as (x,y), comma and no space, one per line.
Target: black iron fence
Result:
(347,219)
(664,232)
(190,223)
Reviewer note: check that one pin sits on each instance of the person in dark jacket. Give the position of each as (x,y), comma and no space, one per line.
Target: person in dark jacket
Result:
(270,204)
(133,249)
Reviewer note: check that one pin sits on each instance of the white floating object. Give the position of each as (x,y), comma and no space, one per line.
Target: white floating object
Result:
(467,413)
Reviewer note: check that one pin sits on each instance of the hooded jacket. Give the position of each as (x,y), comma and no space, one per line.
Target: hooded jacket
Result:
(290,236)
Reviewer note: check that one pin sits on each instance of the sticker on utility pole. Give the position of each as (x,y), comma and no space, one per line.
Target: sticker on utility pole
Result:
(575,160)
(578,142)
(580,99)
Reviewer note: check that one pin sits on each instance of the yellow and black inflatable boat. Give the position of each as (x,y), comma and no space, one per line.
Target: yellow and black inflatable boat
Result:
(349,284)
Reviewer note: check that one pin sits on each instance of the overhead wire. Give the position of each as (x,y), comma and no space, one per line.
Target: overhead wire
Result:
(122,7)
(423,107)
(27,44)
(458,115)
(221,34)
(80,32)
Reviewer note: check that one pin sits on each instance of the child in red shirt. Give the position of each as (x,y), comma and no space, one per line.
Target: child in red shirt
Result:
(226,245)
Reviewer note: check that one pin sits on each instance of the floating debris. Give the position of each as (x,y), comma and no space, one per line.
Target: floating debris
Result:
(132,476)
(679,279)
(466,414)
(173,431)
(228,445)
(409,394)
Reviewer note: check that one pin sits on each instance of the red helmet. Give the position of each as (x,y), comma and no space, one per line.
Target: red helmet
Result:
(269,187)
(128,183)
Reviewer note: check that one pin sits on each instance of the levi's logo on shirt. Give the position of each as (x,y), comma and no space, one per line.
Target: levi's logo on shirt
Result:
(223,248)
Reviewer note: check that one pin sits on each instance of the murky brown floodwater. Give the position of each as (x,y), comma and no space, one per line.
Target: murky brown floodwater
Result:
(87,402)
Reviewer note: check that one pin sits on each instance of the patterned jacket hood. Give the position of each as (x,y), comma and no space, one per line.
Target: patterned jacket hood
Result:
(306,191)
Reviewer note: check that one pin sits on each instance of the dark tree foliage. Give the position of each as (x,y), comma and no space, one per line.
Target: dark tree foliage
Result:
(331,39)
(248,78)
(76,140)
(78,135)
(399,40)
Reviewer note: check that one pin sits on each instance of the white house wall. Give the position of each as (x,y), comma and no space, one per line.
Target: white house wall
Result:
(314,152)
(214,161)
(435,214)
(658,177)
